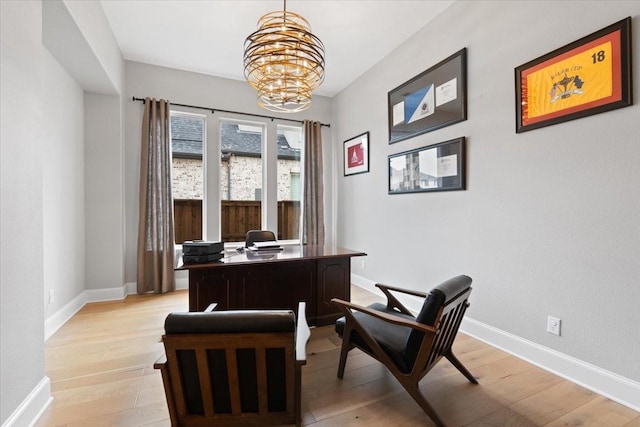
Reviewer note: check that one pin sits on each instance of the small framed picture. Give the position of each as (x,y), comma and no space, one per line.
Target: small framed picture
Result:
(438,167)
(356,155)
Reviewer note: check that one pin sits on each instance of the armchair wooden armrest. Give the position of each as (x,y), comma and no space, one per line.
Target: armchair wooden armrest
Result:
(302,334)
(382,286)
(393,302)
(346,306)
(161,362)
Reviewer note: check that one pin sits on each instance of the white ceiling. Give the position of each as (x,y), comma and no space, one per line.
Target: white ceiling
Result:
(208,36)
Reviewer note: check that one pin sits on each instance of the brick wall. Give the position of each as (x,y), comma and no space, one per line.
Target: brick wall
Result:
(246,176)
(187,180)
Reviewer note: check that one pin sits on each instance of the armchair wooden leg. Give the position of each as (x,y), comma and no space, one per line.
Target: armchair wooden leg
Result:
(344,352)
(298,396)
(455,362)
(343,358)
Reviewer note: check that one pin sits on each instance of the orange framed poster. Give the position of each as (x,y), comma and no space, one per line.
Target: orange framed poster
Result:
(586,77)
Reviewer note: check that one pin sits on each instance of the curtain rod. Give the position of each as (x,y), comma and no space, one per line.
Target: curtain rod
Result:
(213,110)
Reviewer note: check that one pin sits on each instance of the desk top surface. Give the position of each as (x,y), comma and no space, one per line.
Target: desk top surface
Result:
(288,253)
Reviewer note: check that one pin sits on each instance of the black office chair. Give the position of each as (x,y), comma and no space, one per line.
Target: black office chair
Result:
(259,236)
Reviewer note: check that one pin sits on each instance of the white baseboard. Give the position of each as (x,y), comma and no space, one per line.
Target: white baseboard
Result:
(181,284)
(598,380)
(60,317)
(107,294)
(32,408)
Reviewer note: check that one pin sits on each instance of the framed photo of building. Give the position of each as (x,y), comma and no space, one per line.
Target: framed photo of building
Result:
(588,76)
(431,100)
(439,167)
(356,155)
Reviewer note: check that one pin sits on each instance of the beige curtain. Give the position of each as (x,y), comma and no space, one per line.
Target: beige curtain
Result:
(313,223)
(155,225)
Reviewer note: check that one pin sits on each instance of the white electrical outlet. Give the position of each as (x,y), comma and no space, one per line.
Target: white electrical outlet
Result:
(553,325)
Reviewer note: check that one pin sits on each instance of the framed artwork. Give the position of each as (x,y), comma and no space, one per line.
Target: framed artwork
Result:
(588,76)
(439,167)
(431,100)
(356,155)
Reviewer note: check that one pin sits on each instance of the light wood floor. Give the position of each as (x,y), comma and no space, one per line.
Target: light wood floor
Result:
(100,366)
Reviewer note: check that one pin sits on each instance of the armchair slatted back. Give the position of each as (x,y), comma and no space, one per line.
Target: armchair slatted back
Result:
(232,368)
(447,325)
(443,309)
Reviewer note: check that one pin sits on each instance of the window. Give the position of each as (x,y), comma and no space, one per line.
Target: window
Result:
(187,171)
(241,179)
(233,186)
(289,150)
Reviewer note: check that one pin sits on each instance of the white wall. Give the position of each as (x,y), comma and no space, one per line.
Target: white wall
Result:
(104,175)
(548,224)
(21,205)
(182,87)
(63,186)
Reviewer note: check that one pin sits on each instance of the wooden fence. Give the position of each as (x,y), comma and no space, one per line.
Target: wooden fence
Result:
(237,216)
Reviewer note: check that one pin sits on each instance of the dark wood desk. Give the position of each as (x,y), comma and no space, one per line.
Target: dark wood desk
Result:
(277,280)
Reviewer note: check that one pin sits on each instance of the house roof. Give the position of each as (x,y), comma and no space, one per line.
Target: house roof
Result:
(186,139)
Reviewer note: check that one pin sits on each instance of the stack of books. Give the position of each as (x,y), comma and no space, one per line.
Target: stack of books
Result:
(199,251)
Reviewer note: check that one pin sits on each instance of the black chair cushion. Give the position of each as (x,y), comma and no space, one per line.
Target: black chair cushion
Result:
(441,295)
(392,338)
(240,321)
(437,298)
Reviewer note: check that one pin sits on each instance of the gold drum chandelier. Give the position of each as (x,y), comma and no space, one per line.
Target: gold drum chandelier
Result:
(284,61)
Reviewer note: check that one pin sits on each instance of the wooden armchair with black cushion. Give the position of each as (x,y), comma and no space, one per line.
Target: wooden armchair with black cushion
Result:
(408,346)
(241,367)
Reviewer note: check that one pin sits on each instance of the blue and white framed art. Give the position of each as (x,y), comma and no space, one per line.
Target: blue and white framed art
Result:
(431,100)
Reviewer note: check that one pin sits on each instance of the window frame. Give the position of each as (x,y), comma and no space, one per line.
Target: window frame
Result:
(269,148)
(204,118)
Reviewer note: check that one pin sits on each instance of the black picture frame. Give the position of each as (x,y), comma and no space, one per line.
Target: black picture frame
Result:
(589,76)
(438,167)
(431,100)
(356,154)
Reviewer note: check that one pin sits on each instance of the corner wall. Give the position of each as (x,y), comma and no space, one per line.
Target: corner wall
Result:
(63,186)
(548,224)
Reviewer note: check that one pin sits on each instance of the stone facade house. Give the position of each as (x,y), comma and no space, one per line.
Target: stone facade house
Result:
(240,166)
